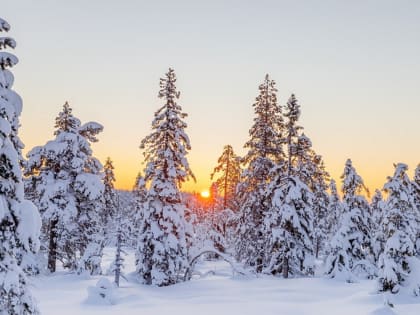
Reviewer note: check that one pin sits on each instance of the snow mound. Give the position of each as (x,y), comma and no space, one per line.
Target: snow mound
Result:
(102,293)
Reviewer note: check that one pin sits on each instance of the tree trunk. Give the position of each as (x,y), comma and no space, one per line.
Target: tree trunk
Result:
(52,248)
(317,246)
(286,268)
(118,259)
(226,180)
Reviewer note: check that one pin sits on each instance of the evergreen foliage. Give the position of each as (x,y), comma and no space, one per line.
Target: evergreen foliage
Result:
(264,152)
(230,169)
(65,179)
(162,242)
(19,219)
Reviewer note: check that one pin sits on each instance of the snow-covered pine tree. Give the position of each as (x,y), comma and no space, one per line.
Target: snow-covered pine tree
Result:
(162,244)
(264,151)
(118,263)
(110,196)
(121,236)
(229,168)
(319,188)
(311,170)
(289,220)
(66,181)
(108,215)
(377,208)
(19,219)
(350,253)
(416,184)
(377,212)
(400,229)
(416,192)
(335,210)
(89,190)
(138,205)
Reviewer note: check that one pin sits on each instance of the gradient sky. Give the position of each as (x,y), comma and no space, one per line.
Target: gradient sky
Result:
(353,65)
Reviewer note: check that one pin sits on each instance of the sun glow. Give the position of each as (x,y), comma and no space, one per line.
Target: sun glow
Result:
(205,194)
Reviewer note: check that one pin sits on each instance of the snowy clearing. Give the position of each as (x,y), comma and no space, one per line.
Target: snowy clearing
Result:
(217,293)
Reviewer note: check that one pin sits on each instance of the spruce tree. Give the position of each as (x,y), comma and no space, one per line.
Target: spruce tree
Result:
(335,210)
(319,187)
(108,214)
(66,181)
(416,185)
(290,218)
(121,236)
(377,212)
(19,219)
(416,193)
(138,204)
(110,197)
(350,253)
(377,209)
(400,229)
(264,152)
(162,243)
(311,170)
(230,169)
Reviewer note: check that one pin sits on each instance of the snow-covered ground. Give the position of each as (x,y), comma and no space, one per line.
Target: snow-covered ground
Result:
(216,294)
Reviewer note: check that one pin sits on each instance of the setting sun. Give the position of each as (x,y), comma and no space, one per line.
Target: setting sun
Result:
(205,194)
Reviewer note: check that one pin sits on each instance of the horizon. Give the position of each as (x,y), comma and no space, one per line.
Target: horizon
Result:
(356,59)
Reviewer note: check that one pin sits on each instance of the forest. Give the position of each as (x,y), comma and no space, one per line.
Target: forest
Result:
(274,212)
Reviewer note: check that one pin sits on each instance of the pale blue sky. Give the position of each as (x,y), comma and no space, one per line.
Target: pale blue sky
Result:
(354,66)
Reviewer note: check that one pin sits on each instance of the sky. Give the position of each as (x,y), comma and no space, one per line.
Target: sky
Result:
(353,65)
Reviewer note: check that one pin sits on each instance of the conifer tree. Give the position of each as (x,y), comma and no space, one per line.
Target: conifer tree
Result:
(335,210)
(320,208)
(118,263)
(19,219)
(264,152)
(162,243)
(416,193)
(290,218)
(110,197)
(121,234)
(400,228)
(416,184)
(350,253)
(67,183)
(377,212)
(215,198)
(230,169)
(377,209)
(310,169)
(138,204)
(89,190)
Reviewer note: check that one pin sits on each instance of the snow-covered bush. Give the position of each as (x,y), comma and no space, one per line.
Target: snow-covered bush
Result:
(102,293)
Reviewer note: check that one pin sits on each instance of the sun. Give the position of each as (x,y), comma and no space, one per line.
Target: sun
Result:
(205,194)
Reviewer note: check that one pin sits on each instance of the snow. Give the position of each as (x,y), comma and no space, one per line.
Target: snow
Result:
(102,292)
(29,226)
(8,59)
(216,292)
